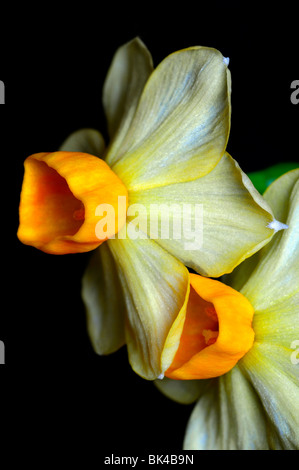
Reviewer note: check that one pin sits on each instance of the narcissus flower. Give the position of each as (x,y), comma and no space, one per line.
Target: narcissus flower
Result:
(168,132)
(256,404)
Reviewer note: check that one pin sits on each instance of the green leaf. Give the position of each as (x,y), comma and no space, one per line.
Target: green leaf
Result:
(262,179)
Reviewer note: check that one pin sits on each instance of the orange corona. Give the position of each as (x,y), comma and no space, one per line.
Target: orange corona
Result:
(217,331)
(60,194)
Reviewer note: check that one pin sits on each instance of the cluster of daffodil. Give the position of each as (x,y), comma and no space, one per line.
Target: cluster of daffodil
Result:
(226,344)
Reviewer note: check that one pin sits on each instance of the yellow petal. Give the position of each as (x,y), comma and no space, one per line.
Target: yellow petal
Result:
(227,221)
(181,125)
(60,195)
(156,287)
(129,70)
(104,302)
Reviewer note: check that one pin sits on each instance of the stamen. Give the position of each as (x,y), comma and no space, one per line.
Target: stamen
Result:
(210,336)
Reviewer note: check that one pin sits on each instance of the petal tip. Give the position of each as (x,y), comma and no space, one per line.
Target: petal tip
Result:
(276,225)
(226,61)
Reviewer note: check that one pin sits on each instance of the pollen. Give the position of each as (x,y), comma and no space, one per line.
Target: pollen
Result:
(210,336)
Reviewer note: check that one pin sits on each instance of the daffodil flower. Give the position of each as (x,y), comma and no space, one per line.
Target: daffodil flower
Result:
(255,405)
(168,132)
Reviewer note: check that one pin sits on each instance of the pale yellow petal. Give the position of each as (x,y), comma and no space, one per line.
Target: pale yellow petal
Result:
(275,279)
(85,140)
(129,70)
(227,221)
(268,272)
(228,416)
(180,129)
(156,288)
(104,302)
(261,412)
(275,377)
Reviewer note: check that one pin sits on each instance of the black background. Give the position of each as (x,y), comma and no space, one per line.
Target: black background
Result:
(60,394)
